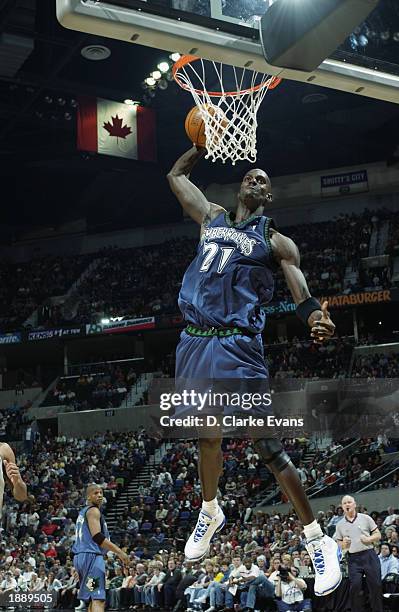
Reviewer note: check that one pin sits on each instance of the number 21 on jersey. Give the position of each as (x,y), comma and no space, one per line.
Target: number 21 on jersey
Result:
(211,250)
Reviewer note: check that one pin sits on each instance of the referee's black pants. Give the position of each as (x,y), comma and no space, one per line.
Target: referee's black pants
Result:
(365,562)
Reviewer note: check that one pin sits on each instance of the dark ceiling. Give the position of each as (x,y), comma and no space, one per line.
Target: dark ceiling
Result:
(46,181)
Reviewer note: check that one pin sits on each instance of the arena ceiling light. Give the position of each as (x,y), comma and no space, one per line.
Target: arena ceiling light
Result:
(163,67)
(159,78)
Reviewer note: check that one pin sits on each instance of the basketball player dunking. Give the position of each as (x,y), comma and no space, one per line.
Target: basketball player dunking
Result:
(91,544)
(222,293)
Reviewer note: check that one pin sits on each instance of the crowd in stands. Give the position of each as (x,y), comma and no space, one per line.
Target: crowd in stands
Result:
(326,249)
(376,279)
(37,538)
(355,470)
(35,552)
(257,545)
(140,282)
(136,282)
(25,286)
(145,281)
(105,388)
(376,365)
(305,359)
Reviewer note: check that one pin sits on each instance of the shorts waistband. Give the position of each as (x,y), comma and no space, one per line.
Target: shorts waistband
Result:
(360,552)
(220,332)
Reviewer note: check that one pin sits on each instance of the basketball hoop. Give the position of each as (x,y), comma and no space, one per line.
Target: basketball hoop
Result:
(231,132)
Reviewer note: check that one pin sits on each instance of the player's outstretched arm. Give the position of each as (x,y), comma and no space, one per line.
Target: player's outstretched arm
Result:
(308,309)
(190,197)
(93,516)
(12,472)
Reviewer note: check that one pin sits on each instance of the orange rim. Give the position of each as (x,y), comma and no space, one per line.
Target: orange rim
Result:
(184,60)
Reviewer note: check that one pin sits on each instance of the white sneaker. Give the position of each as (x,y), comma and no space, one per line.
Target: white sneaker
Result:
(326,555)
(199,541)
(81,606)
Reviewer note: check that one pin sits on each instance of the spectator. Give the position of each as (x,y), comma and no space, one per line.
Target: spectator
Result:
(390,518)
(389,564)
(290,589)
(8,583)
(169,584)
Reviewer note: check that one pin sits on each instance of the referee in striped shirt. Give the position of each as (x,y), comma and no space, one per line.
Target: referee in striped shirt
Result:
(358,533)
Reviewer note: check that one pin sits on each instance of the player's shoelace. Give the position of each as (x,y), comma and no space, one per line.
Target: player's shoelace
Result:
(318,559)
(201,528)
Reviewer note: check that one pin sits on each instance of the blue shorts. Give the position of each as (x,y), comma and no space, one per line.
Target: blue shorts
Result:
(91,570)
(214,358)
(232,365)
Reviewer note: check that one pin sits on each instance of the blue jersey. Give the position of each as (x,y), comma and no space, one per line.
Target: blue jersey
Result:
(84,540)
(231,277)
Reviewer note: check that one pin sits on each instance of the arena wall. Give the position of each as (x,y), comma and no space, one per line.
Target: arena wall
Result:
(378,500)
(11,397)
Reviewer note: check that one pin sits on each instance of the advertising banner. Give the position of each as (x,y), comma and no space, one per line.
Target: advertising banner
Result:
(340,301)
(12,338)
(59,332)
(114,327)
(346,183)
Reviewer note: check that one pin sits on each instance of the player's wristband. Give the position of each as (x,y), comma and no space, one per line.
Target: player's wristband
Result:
(98,538)
(305,309)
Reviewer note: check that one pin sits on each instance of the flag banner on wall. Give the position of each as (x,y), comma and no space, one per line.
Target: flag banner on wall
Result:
(114,128)
(346,183)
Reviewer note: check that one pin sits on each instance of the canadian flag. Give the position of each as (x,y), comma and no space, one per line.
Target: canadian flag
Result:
(112,128)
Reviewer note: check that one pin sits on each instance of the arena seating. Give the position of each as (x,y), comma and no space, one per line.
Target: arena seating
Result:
(376,365)
(131,290)
(100,387)
(145,281)
(154,527)
(24,286)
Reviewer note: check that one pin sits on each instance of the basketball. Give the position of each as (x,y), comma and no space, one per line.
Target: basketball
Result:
(195,124)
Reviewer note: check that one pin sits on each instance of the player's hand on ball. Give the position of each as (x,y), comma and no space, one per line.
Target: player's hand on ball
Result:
(324,328)
(12,471)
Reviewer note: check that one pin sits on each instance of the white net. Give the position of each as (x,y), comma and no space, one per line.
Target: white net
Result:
(228,98)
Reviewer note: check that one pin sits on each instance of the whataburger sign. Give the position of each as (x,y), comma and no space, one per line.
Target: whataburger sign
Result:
(340,301)
(359,299)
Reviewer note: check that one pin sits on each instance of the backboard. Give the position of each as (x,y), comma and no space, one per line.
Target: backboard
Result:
(367,63)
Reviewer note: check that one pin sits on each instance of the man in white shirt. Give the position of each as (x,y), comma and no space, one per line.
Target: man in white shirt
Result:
(290,589)
(257,583)
(33,520)
(8,584)
(28,571)
(234,580)
(22,584)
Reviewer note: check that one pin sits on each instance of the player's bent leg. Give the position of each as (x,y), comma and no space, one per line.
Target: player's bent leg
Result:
(323,550)
(211,518)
